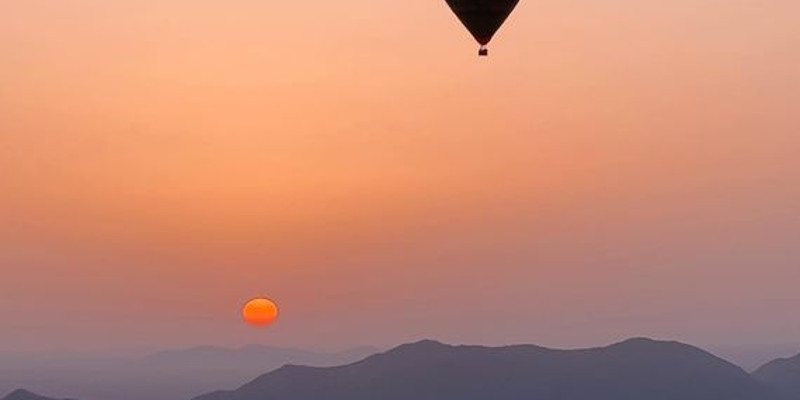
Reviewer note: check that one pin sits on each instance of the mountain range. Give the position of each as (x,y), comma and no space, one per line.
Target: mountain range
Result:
(168,375)
(635,369)
(22,394)
(632,370)
(783,376)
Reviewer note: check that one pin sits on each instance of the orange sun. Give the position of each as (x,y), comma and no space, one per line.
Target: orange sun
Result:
(260,312)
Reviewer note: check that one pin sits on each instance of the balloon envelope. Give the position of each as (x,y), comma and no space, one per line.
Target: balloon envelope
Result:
(482,17)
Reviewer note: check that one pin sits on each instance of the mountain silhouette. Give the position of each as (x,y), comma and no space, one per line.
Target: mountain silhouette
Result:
(636,369)
(169,375)
(782,376)
(21,394)
(752,356)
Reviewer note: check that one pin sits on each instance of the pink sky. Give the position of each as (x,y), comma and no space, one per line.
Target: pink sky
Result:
(614,169)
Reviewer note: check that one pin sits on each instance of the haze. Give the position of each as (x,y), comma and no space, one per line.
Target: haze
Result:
(614,169)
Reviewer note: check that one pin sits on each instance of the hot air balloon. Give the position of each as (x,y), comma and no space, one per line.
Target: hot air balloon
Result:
(483,18)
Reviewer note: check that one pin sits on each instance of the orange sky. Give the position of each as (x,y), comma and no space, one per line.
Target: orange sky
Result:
(615,168)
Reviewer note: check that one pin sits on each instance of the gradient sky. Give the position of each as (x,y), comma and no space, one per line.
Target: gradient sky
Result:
(616,168)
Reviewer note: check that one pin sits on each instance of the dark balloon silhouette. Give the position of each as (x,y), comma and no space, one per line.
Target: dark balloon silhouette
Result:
(483,18)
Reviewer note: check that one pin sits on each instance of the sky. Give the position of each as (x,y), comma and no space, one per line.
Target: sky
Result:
(615,168)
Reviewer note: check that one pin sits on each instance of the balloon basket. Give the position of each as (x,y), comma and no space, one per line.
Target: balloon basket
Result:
(483,52)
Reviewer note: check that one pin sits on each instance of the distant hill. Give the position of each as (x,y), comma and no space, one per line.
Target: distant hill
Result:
(636,369)
(752,356)
(257,358)
(783,376)
(22,394)
(169,375)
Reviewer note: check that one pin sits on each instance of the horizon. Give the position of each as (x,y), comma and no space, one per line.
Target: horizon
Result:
(748,356)
(650,350)
(143,351)
(235,369)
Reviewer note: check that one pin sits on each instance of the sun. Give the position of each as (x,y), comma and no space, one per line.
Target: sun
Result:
(260,312)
